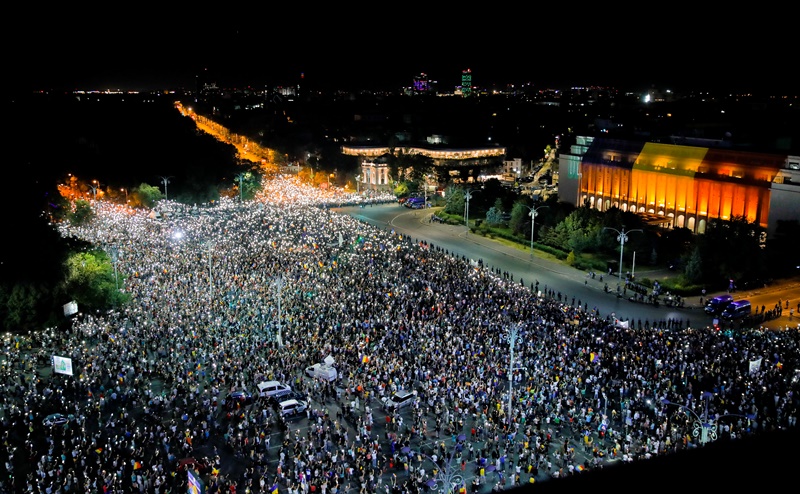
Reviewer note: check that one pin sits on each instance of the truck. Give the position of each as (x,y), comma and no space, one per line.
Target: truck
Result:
(324,370)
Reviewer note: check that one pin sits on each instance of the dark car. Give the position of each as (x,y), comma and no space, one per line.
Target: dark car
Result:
(237,399)
(292,395)
(56,419)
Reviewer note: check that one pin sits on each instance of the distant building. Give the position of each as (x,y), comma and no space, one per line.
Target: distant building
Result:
(421,84)
(466,83)
(680,186)
(375,172)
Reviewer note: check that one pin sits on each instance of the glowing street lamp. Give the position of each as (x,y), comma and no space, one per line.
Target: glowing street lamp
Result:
(165,181)
(703,427)
(467,197)
(533,213)
(126,194)
(279,284)
(622,236)
(94,188)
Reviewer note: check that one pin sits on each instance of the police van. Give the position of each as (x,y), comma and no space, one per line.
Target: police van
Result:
(737,310)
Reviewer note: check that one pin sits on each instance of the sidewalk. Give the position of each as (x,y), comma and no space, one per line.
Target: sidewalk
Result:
(779,289)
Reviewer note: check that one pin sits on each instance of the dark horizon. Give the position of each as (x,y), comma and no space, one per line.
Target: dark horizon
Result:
(337,49)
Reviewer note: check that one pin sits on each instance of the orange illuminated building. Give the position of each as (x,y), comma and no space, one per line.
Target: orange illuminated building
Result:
(672,185)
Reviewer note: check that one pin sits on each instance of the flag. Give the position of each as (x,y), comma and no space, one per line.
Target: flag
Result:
(755,365)
(214,471)
(137,466)
(274,489)
(98,450)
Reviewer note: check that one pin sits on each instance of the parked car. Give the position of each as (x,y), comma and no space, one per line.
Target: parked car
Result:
(399,400)
(57,419)
(237,398)
(273,389)
(288,408)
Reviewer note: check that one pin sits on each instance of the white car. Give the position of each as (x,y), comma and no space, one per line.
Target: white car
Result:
(288,408)
(399,400)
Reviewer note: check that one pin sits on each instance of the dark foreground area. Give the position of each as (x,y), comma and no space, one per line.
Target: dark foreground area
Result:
(756,463)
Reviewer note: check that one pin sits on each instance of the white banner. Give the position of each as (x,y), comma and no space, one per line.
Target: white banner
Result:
(755,365)
(62,365)
(70,308)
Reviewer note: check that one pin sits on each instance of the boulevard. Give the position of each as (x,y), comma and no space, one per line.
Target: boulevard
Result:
(567,280)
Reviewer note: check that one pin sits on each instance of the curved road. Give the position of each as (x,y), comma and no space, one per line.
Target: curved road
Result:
(556,276)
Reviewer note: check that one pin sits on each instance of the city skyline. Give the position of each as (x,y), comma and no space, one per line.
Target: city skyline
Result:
(334,50)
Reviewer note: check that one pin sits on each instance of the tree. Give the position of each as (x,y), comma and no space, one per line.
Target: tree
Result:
(494,216)
(90,280)
(578,232)
(147,195)
(82,213)
(731,250)
(454,201)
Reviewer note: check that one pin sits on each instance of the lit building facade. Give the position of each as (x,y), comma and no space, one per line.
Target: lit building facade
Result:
(466,83)
(375,174)
(679,186)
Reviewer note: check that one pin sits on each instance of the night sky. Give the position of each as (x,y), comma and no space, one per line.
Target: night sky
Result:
(75,47)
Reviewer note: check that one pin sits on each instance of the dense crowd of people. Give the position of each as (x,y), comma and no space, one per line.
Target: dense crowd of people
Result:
(227,295)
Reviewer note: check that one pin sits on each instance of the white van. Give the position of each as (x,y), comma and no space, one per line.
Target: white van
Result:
(322,371)
(273,389)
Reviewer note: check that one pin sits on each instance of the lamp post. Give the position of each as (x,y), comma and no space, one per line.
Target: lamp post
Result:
(703,427)
(448,477)
(279,284)
(467,197)
(126,194)
(165,181)
(210,248)
(622,236)
(533,212)
(425,186)
(358,184)
(115,260)
(241,176)
(94,188)
(512,340)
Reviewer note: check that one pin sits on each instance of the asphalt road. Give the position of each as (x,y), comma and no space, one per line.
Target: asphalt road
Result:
(567,280)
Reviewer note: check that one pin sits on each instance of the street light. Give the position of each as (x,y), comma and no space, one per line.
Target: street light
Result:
(115,260)
(358,184)
(448,477)
(165,181)
(241,176)
(512,340)
(126,194)
(279,284)
(467,197)
(94,188)
(425,186)
(622,236)
(210,247)
(703,427)
(533,212)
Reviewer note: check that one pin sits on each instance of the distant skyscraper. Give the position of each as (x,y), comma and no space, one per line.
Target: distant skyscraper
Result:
(421,84)
(466,83)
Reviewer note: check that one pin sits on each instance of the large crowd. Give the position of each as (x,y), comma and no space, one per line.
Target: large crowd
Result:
(224,296)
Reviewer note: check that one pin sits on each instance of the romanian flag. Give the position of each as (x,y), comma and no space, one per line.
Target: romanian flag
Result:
(274,489)
(98,450)
(137,465)
(214,471)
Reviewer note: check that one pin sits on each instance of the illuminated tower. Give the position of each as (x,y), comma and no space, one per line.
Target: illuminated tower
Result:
(466,83)
(421,84)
